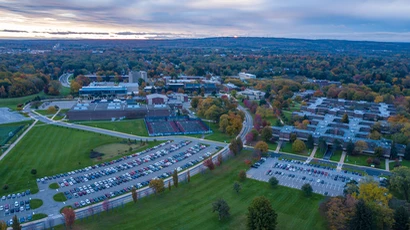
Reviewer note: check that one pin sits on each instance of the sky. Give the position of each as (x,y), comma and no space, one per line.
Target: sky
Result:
(372,20)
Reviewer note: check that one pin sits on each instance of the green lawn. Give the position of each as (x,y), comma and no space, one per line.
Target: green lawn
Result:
(39,216)
(17,128)
(50,150)
(190,205)
(287,148)
(35,203)
(216,135)
(54,186)
(402,163)
(45,113)
(336,155)
(59,197)
(361,160)
(272,146)
(13,102)
(135,127)
(319,154)
(115,150)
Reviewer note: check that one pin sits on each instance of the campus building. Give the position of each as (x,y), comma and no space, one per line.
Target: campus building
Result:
(325,118)
(108,90)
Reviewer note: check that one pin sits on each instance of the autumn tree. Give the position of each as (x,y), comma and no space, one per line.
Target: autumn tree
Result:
(188,176)
(3,225)
(209,164)
(266,133)
(400,181)
(293,137)
(262,146)
(233,147)
(16,224)
(220,159)
(307,189)
(242,175)
(360,146)
(157,185)
(378,151)
(401,219)
(351,188)
(195,102)
(374,135)
(261,215)
(175,178)
(345,118)
(106,205)
(51,110)
(222,208)
(339,211)
(134,195)
(69,216)
(298,146)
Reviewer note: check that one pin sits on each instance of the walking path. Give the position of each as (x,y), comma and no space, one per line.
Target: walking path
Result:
(278,147)
(312,155)
(17,141)
(387,162)
(341,162)
(52,118)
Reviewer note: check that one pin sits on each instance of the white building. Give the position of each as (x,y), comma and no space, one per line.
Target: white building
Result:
(243,75)
(136,75)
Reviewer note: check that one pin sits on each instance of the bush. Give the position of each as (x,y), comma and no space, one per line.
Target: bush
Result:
(95,154)
(242,175)
(34,171)
(376,161)
(273,182)
(6,186)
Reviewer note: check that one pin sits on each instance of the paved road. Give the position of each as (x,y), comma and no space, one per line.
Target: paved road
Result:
(64,80)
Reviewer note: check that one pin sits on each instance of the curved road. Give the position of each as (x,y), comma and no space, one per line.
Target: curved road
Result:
(64,80)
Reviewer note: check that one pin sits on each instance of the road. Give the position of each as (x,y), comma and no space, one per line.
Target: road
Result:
(64,80)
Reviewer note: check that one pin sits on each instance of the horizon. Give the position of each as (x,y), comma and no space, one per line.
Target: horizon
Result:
(379,20)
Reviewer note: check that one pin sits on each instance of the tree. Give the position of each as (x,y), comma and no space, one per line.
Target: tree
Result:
(360,146)
(262,146)
(407,152)
(400,181)
(3,225)
(242,175)
(336,145)
(209,164)
(322,145)
(157,185)
(220,159)
(255,134)
(273,182)
(261,215)
(369,160)
(51,110)
(339,211)
(298,146)
(374,135)
(16,224)
(195,101)
(310,144)
(350,148)
(393,151)
(378,151)
(401,219)
(362,218)
(169,185)
(69,216)
(188,176)
(234,147)
(236,187)
(106,205)
(249,137)
(307,189)
(266,133)
(134,195)
(222,208)
(345,118)
(34,171)
(175,178)
(239,143)
(351,188)
(292,137)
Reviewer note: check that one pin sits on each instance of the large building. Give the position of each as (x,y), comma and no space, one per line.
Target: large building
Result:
(108,90)
(116,109)
(134,76)
(325,118)
(243,76)
(155,99)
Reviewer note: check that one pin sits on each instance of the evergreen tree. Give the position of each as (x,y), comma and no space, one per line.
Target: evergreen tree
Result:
(222,208)
(401,219)
(175,178)
(310,144)
(393,151)
(16,224)
(345,118)
(363,218)
(350,148)
(407,152)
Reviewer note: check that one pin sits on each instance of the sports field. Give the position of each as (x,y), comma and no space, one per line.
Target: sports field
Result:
(190,205)
(8,131)
(135,127)
(50,150)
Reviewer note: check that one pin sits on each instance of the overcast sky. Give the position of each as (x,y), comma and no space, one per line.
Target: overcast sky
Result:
(376,20)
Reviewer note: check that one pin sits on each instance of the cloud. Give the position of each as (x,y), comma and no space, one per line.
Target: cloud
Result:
(14,31)
(204,18)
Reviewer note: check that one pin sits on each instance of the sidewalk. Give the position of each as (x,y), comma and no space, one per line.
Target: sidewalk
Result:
(312,155)
(341,161)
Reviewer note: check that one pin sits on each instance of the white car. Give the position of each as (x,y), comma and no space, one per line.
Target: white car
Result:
(1,208)
(318,181)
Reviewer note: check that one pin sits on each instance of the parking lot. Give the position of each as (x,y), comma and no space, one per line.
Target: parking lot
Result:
(16,204)
(106,180)
(294,173)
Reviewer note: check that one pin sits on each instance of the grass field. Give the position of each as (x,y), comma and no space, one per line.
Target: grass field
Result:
(135,127)
(216,135)
(361,160)
(5,129)
(59,197)
(272,146)
(319,154)
(38,216)
(50,150)
(190,205)
(287,148)
(13,102)
(402,163)
(115,150)
(35,203)
(336,155)
(54,186)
